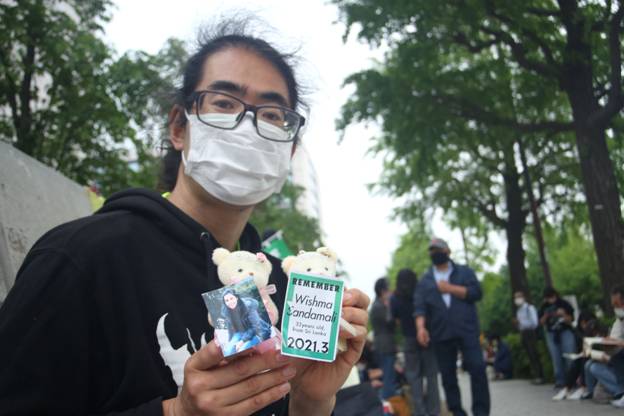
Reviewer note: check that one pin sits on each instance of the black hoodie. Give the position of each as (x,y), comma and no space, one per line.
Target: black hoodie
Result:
(106,309)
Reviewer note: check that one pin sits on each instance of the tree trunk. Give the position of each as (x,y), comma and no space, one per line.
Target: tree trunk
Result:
(603,202)
(514,229)
(537,224)
(599,182)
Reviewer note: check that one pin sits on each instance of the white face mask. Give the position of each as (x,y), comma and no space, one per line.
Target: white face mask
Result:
(619,312)
(519,301)
(236,166)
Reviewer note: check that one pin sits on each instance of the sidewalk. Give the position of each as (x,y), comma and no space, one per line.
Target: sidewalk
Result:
(520,398)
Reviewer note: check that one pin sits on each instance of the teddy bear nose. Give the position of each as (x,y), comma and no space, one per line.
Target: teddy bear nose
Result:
(251,273)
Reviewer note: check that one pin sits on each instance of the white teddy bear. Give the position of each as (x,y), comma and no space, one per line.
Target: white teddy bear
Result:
(320,262)
(232,267)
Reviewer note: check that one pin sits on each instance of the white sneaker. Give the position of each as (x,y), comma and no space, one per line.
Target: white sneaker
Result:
(619,403)
(577,394)
(561,394)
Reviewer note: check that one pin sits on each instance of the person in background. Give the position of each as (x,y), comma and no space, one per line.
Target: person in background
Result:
(527,323)
(383,342)
(599,368)
(556,316)
(444,306)
(420,362)
(587,325)
(501,361)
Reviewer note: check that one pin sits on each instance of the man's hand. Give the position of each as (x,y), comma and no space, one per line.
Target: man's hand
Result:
(444,286)
(213,386)
(458,291)
(315,386)
(423,337)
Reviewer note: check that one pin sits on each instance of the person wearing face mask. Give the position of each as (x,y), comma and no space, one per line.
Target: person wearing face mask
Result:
(446,316)
(527,323)
(106,315)
(606,368)
(556,316)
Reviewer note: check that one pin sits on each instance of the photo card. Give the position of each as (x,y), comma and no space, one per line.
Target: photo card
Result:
(238,316)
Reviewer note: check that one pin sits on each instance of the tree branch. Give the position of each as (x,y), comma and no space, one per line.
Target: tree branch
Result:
(616,100)
(542,12)
(469,110)
(474,47)
(519,53)
(486,211)
(551,68)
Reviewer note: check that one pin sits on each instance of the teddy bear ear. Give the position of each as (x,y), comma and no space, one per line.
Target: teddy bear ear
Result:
(327,252)
(219,254)
(287,263)
(264,262)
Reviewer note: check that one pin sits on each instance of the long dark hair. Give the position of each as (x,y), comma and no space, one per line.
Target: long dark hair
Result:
(405,283)
(232,32)
(238,318)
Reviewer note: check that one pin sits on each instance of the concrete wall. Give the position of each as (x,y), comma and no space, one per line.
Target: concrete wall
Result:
(33,199)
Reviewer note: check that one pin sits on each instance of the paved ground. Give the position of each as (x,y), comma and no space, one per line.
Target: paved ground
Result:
(519,398)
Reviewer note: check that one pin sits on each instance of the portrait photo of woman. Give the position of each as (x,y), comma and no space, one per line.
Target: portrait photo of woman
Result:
(239,313)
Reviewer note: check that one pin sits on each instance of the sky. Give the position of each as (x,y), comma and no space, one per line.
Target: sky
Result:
(356,224)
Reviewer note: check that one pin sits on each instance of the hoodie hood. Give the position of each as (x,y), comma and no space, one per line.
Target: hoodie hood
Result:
(175,222)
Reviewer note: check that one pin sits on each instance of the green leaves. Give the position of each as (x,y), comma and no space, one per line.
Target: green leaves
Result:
(70,103)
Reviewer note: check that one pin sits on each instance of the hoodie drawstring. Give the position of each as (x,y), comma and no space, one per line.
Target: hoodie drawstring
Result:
(205,237)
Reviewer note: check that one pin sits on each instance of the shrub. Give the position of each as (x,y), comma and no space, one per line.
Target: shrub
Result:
(521,365)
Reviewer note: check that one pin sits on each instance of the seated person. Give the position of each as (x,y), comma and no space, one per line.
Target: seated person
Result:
(502,363)
(587,326)
(599,368)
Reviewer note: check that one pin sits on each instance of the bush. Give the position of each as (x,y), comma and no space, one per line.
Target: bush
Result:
(520,359)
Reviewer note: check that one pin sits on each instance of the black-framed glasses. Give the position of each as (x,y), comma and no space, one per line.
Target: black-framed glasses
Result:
(224,111)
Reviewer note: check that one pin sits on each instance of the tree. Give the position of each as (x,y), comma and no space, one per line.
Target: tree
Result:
(65,99)
(279,212)
(437,157)
(411,253)
(575,47)
(573,264)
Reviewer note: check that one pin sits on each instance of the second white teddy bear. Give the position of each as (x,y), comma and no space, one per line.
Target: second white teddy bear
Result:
(320,262)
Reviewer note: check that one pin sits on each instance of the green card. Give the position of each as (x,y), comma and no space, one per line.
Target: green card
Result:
(311,317)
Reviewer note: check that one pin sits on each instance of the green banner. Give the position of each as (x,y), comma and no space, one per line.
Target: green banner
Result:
(276,246)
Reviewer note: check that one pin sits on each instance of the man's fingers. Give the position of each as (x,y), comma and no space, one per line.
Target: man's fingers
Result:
(254,385)
(360,332)
(355,297)
(355,316)
(245,367)
(208,356)
(258,401)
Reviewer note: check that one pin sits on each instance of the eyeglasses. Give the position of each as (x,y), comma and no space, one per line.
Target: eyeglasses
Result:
(224,111)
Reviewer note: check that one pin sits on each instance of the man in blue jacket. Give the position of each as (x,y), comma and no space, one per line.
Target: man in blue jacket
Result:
(446,315)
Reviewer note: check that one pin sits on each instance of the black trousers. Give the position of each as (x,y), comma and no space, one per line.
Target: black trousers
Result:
(446,352)
(529,341)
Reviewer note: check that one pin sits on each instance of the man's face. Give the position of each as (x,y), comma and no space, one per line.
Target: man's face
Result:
(616,301)
(433,250)
(246,76)
(551,300)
